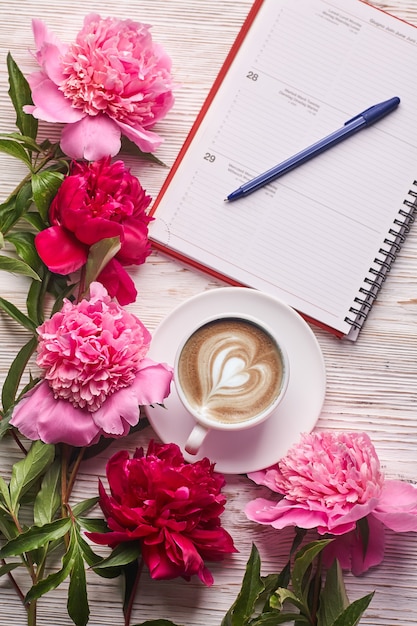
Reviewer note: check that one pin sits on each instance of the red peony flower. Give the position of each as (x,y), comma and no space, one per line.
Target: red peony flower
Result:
(96,201)
(171,507)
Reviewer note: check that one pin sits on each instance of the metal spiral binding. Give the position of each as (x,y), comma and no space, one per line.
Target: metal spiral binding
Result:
(382,264)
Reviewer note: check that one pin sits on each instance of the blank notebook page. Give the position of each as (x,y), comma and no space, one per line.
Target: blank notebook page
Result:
(311,237)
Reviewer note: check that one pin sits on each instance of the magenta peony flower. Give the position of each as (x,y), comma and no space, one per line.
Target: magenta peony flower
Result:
(113,80)
(96,201)
(171,507)
(95,374)
(332,482)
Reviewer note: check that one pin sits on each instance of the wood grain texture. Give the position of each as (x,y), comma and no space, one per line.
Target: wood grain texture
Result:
(371,385)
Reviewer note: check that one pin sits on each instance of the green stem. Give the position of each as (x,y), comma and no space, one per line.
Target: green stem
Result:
(32,613)
(18,442)
(82,286)
(73,475)
(14,584)
(129,608)
(316,591)
(64,476)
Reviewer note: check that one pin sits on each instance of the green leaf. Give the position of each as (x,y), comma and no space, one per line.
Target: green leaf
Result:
(333,597)
(15,266)
(20,94)
(35,537)
(16,150)
(352,614)
(242,609)
(45,185)
(5,493)
(303,560)
(77,604)
(35,220)
(24,243)
(29,469)
(11,384)
(131,575)
(362,527)
(271,619)
(93,525)
(82,507)
(53,580)
(282,595)
(6,210)
(5,423)
(35,299)
(157,622)
(27,142)
(123,554)
(90,557)
(9,567)
(99,255)
(17,315)
(7,526)
(23,199)
(15,207)
(128,147)
(48,498)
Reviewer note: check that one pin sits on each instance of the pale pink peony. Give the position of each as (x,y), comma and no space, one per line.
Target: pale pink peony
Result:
(113,80)
(95,374)
(332,482)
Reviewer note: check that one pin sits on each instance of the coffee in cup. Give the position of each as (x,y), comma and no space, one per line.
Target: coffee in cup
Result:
(230,373)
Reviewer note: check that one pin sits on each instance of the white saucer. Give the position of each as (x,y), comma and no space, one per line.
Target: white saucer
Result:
(262,445)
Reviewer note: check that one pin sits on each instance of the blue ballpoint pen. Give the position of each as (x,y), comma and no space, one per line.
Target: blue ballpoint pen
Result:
(364,119)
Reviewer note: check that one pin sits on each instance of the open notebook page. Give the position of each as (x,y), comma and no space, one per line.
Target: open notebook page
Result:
(311,237)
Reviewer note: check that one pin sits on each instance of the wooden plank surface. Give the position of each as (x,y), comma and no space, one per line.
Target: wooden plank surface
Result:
(371,384)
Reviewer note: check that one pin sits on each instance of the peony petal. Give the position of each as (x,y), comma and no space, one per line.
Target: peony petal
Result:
(93,230)
(50,58)
(121,410)
(91,138)
(348,549)
(356,512)
(51,105)
(397,506)
(118,412)
(152,383)
(40,416)
(265,477)
(43,36)
(136,246)
(282,514)
(118,283)
(60,251)
(146,140)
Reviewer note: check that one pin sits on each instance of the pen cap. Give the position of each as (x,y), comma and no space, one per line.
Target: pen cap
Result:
(376,112)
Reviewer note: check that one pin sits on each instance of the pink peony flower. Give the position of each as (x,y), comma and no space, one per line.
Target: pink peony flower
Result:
(113,80)
(171,507)
(95,374)
(333,482)
(96,201)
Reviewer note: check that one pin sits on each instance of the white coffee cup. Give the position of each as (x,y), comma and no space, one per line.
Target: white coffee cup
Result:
(231,371)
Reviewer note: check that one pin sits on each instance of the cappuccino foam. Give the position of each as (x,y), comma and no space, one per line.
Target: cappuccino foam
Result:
(230,370)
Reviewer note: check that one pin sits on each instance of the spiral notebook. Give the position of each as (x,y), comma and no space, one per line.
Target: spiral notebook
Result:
(323,237)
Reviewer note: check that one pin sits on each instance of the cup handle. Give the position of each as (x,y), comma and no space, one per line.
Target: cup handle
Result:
(195,439)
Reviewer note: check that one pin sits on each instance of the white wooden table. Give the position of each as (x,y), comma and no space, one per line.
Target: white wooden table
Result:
(371,384)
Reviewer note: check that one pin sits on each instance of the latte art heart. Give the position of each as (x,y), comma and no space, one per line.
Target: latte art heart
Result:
(230,370)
